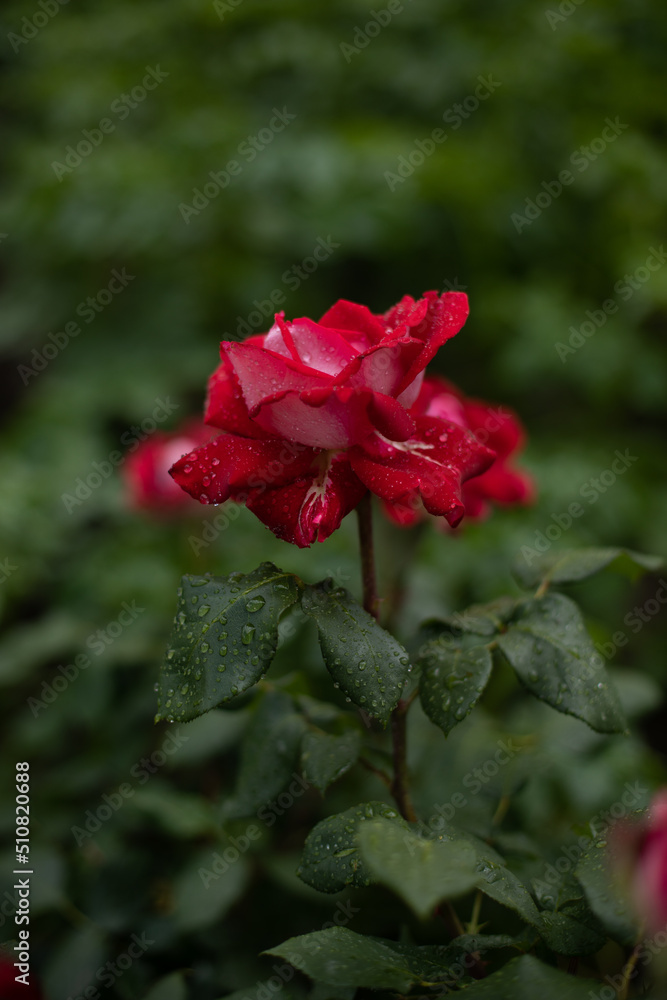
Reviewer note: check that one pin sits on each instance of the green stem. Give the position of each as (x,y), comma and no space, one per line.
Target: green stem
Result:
(473,926)
(378,772)
(628,972)
(399,785)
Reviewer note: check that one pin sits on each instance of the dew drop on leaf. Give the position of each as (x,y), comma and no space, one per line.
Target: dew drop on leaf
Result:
(255,603)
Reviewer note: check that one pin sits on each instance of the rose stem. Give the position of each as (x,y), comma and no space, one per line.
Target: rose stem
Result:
(399,785)
(365,523)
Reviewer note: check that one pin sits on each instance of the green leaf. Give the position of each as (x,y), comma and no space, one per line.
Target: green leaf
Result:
(495,879)
(572,931)
(602,893)
(526,978)
(325,758)
(568,926)
(497,882)
(365,661)
(452,680)
(331,859)
(342,958)
(422,872)
(578,564)
(548,646)
(269,754)
(224,638)
(482,619)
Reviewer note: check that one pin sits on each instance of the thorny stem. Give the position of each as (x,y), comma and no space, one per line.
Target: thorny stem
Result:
(399,785)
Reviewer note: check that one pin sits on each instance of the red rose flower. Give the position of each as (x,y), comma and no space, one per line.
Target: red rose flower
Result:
(148,484)
(494,426)
(639,858)
(316,414)
(9,988)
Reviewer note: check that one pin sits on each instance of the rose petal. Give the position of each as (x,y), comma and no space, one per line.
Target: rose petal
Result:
(264,376)
(326,350)
(381,368)
(231,465)
(334,417)
(312,507)
(225,406)
(356,322)
(443,318)
(433,465)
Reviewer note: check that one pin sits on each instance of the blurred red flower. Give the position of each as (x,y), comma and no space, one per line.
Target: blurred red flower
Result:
(148,484)
(9,988)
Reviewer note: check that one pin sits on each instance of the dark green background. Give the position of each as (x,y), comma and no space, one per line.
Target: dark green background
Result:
(449,225)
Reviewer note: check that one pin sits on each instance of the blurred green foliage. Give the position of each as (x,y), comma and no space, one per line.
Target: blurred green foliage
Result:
(322,177)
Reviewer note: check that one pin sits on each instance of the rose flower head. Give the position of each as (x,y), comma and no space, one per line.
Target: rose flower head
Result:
(638,857)
(315,414)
